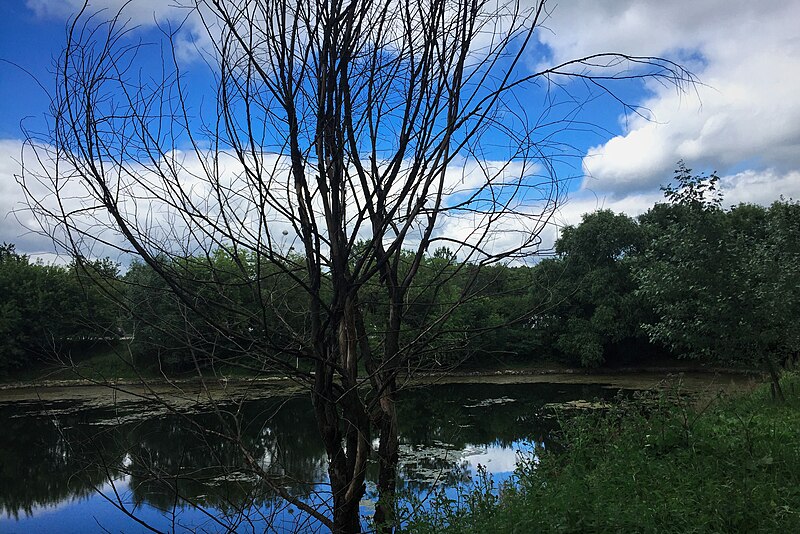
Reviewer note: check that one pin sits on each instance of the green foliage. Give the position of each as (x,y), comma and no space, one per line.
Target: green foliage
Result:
(496,313)
(723,284)
(695,190)
(49,309)
(440,512)
(683,275)
(655,465)
(215,315)
(688,277)
(587,292)
(618,289)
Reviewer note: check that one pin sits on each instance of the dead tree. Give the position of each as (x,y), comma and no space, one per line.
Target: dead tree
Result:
(344,140)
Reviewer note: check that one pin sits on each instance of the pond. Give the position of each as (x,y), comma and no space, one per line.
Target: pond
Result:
(79,466)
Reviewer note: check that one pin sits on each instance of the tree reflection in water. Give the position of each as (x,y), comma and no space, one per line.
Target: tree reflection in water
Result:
(170,461)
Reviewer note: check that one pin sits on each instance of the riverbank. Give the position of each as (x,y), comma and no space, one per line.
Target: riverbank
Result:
(705,383)
(57,385)
(651,465)
(692,378)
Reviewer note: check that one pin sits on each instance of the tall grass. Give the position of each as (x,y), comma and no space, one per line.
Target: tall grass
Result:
(651,464)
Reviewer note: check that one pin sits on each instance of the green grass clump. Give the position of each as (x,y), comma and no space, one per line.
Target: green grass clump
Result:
(652,465)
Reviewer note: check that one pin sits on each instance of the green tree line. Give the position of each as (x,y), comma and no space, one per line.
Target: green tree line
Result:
(688,278)
(49,310)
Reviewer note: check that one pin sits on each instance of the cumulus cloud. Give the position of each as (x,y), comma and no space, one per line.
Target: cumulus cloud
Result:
(760,187)
(746,121)
(177,203)
(191,39)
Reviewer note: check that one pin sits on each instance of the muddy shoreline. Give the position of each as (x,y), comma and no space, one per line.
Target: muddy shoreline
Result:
(190,390)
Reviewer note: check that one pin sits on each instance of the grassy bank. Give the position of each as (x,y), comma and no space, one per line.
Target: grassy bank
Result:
(104,361)
(651,465)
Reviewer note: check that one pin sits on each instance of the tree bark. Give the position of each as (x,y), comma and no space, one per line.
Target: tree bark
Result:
(777,391)
(347,486)
(388,455)
(388,448)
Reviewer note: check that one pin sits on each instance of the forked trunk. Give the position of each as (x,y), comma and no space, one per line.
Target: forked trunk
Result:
(344,423)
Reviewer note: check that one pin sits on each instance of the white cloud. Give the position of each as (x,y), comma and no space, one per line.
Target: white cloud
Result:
(17,225)
(649,27)
(748,116)
(760,187)
(147,194)
(191,40)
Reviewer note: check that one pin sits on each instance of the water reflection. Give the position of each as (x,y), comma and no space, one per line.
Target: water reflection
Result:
(166,463)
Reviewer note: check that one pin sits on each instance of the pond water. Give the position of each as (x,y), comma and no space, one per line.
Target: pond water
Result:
(74,466)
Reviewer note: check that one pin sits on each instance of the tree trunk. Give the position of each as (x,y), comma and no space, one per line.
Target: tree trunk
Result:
(347,486)
(342,419)
(777,391)
(345,502)
(388,448)
(388,454)
(346,518)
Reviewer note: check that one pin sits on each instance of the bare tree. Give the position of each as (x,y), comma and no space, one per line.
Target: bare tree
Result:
(345,140)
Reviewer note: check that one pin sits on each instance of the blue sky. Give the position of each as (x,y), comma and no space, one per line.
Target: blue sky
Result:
(743,122)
